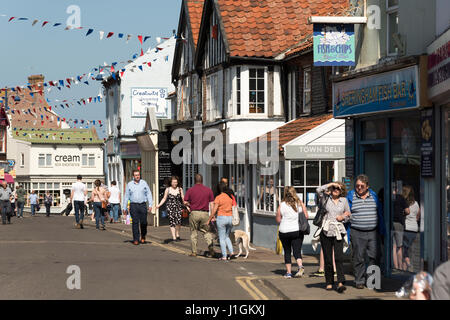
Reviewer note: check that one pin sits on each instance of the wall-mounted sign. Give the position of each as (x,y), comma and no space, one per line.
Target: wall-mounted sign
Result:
(388,91)
(439,67)
(315,152)
(11,163)
(143,98)
(334,44)
(427,147)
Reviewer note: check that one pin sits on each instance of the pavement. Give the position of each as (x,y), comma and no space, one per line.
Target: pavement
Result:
(263,270)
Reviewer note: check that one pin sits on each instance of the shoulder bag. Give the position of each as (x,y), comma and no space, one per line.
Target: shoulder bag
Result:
(303,223)
(318,219)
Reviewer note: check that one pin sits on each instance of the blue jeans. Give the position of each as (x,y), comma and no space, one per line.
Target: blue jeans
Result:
(33,209)
(99,217)
(115,211)
(224,227)
(20,205)
(79,210)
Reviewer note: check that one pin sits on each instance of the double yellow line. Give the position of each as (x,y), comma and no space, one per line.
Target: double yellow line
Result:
(247,285)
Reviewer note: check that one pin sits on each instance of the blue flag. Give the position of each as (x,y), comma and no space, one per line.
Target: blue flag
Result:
(89,32)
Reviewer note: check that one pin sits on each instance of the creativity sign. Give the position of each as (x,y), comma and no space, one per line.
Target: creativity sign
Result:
(334,44)
(143,98)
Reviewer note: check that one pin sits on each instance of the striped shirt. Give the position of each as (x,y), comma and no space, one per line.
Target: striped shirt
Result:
(364,213)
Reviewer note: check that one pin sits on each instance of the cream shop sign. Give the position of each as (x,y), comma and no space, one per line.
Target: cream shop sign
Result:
(67,161)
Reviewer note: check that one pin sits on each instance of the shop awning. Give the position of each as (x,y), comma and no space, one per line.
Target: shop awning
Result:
(8,178)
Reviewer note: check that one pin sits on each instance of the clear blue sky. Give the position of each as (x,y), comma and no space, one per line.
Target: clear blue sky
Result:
(58,54)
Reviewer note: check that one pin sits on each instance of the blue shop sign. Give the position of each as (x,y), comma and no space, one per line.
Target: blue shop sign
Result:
(334,44)
(389,91)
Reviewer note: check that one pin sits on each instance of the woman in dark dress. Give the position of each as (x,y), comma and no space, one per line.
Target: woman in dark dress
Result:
(175,198)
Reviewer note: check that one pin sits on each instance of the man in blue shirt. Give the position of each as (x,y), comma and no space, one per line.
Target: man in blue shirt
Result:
(140,196)
(33,202)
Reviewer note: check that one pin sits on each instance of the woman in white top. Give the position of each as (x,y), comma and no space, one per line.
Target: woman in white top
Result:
(411,225)
(114,200)
(290,236)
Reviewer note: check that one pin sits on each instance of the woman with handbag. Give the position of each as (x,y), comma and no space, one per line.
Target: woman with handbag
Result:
(99,201)
(289,231)
(332,231)
(175,198)
(223,205)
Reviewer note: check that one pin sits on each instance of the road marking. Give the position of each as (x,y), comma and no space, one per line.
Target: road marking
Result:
(247,285)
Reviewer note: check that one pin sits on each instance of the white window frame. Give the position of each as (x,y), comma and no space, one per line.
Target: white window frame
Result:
(389,11)
(91,156)
(245,92)
(22,160)
(305,70)
(257,188)
(3,142)
(87,160)
(212,97)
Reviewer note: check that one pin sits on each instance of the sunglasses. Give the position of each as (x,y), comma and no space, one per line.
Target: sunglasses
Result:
(335,188)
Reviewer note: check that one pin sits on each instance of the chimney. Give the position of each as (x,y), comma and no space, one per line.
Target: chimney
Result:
(37,84)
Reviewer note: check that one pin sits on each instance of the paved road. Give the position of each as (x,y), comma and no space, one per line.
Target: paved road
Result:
(36,252)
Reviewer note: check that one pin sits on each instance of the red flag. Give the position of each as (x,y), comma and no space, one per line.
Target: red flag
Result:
(11,19)
(68,81)
(42,122)
(90,99)
(109,35)
(45,22)
(142,52)
(140,39)
(50,108)
(121,74)
(100,121)
(84,102)
(47,117)
(51,83)
(40,92)
(112,68)
(149,64)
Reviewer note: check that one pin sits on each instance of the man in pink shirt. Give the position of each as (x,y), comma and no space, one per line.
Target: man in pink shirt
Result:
(199,198)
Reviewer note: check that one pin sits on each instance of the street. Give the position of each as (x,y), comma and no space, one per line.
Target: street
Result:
(36,252)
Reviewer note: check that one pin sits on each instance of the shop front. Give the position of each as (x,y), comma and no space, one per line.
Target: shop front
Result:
(386,113)
(439,93)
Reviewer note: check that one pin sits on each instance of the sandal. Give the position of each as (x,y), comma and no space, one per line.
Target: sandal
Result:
(222,259)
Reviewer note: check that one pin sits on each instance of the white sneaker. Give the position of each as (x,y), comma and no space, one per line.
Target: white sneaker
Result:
(300,272)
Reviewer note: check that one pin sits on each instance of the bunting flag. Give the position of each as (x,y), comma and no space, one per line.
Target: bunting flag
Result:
(89,32)
(45,22)
(140,39)
(101,34)
(110,34)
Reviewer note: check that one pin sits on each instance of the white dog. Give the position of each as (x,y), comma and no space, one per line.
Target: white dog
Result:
(243,240)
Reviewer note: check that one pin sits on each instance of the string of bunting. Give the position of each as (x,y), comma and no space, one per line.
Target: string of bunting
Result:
(46,24)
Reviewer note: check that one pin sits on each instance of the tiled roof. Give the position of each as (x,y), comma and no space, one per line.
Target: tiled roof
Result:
(61,136)
(266,28)
(296,128)
(36,104)
(195,8)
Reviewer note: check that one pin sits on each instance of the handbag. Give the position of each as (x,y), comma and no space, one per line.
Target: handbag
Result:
(318,219)
(236,219)
(303,223)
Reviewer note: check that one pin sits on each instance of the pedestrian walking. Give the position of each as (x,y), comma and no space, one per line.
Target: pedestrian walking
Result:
(223,205)
(289,230)
(114,200)
(174,197)
(20,201)
(199,198)
(365,221)
(33,202)
(13,202)
(5,202)
(99,199)
(140,197)
(412,222)
(332,235)
(79,198)
(48,200)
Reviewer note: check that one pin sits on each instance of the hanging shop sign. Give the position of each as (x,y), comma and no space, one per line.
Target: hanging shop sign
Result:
(334,44)
(315,152)
(427,146)
(439,67)
(384,92)
(143,98)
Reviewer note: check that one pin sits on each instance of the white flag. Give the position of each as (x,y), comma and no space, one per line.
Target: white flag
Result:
(101,34)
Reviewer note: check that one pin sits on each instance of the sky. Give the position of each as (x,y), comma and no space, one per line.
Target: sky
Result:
(59,54)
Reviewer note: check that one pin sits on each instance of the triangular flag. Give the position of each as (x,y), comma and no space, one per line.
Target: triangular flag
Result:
(44,23)
(101,34)
(120,35)
(89,32)
(140,39)
(57,24)
(34,22)
(110,34)
(142,52)
(11,19)
(146,38)
(23,18)
(140,67)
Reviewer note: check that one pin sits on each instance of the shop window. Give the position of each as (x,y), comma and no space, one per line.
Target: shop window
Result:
(238,91)
(56,185)
(405,194)
(374,129)
(256,90)
(41,160)
(306,176)
(269,190)
(236,181)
